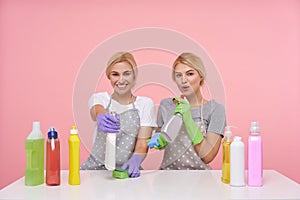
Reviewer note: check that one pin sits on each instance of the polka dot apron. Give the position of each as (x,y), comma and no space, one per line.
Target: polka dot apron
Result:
(180,154)
(125,142)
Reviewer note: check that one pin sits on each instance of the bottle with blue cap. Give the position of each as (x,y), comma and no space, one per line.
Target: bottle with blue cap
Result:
(53,158)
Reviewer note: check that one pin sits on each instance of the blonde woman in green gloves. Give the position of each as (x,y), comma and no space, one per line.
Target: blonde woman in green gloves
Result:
(197,139)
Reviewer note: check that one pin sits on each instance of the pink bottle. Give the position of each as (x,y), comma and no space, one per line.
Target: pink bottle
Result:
(255,165)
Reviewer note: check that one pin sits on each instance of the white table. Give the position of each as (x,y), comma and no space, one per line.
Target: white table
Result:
(155,185)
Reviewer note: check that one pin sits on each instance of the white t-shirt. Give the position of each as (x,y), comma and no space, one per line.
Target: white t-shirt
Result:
(144,105)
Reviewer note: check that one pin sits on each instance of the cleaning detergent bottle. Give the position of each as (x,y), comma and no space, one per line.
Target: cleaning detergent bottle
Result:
(34,146)
(237,162)
(110,148)
(74,157)
(171,129)
(255,165)
(226,156)
(52,158)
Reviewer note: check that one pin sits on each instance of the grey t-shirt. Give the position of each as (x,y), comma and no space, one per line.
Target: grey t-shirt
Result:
(180,154)
(213,115)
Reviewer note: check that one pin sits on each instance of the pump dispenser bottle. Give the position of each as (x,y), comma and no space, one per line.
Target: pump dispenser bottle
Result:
(255,168)
(34,146)
(53,158)
(74,157)
(237,162)
(226,156)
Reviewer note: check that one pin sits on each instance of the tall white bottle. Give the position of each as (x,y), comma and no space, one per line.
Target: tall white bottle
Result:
(237,162)
(110,148)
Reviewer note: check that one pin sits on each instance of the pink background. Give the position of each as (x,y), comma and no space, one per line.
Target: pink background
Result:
(255,44)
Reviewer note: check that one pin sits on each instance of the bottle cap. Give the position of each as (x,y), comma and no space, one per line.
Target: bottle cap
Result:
(52,133)
(74,130)
(237,138)
(254,127)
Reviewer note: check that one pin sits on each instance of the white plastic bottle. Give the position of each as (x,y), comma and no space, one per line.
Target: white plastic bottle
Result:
(110,149)
(237,162)
(255,162)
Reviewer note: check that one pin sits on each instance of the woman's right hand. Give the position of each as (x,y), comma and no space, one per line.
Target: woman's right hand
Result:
(108,123)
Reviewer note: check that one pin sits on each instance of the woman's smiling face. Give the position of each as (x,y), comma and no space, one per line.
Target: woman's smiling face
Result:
(122,77)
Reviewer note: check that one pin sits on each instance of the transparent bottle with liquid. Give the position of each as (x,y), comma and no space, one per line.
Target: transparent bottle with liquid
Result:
(34,146)
(74,157)
(226,155)
(255,161)
(52,158)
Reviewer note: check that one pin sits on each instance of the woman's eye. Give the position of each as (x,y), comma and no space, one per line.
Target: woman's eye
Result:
(178,75)
(190,74)
(114,74)
(127,73)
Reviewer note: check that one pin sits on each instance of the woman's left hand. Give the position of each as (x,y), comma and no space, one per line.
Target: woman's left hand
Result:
(133,165)
(182,107)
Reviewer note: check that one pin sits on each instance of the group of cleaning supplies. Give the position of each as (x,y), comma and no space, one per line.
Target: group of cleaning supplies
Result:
(233,166)
(34,146)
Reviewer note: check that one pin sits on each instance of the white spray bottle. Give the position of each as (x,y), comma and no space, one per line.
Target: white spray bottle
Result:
(110,148)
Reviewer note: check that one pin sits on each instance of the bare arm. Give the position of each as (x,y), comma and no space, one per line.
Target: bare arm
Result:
(96,110)
(209,147)
(141,146)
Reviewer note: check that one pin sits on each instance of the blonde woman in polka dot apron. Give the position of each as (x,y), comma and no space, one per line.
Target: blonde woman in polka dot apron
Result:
(198,138)
(132,122)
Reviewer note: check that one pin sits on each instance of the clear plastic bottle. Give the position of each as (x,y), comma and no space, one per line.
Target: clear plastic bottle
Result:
(34,146)
(226,156)
(74,157)
(53,158)
(255,165)
(171,129)
(237,162)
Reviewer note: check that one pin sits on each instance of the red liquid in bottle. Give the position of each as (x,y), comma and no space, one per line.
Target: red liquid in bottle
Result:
(53,159)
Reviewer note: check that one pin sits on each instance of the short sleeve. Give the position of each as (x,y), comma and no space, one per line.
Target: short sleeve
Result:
(101,98)
(217,120)
(147,112)
(165,111)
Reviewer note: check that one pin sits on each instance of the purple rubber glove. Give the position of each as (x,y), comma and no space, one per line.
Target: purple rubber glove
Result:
(133,165)
(108,123)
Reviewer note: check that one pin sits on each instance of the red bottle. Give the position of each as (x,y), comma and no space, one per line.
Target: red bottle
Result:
(53,158)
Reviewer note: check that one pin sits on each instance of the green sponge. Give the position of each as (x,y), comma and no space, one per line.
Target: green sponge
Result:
(120,174)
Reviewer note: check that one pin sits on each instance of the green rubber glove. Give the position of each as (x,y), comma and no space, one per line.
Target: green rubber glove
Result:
(157,141)
(184,109)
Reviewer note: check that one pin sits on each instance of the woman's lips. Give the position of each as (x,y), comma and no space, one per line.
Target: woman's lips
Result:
(185,88)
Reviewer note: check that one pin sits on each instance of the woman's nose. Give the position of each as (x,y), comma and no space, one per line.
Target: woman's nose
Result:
(183,79)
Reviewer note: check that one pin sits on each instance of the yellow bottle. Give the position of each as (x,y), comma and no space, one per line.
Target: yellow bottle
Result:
(226,156)
(74,157)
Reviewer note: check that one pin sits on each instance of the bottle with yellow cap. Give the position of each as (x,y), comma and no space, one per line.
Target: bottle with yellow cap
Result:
(74,157)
